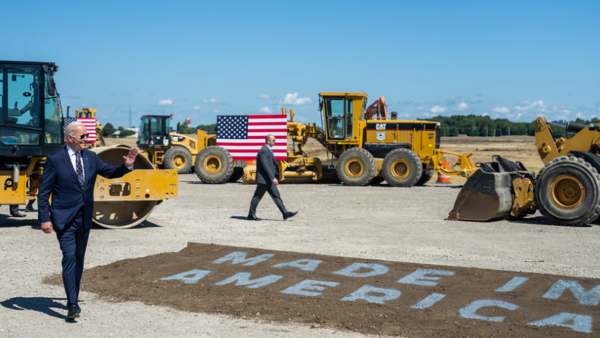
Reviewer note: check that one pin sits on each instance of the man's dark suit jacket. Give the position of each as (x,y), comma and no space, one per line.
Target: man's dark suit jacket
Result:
(266,166)
(60,180)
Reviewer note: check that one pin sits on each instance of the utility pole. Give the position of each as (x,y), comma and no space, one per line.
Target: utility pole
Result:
(508,130)
(130,117)
(486,130)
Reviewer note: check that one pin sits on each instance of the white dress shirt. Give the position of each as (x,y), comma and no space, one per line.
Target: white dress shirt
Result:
(73,157)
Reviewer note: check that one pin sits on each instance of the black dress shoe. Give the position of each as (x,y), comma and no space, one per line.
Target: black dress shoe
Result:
(253,218)
(77,305)
(29,208)
(289,214)
(73,312)
(17,214)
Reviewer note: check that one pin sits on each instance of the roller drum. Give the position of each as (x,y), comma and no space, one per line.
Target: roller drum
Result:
(121,214)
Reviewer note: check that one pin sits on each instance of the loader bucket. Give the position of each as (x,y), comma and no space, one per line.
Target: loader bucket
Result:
(487,193)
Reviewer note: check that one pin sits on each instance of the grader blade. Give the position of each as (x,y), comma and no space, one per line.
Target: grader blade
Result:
(485,196)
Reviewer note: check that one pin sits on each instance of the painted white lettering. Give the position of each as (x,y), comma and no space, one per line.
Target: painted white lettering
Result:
(243,279)
(420,277)
(302,264)
(189,277)
(309,284)
(579,323)
(470,310)
(365,291)
(428,301)
(512,284)
(350,271)
(584,297)
(240,257)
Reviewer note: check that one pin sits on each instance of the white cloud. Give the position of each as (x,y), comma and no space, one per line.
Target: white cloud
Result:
(485,114)
(211,101)
(265,110)
(438,109)
(501,110)
(167,103)
(216,111)
(293,99)
(265,97)
(579,115)
(420,108)
(461,107)
(196,108)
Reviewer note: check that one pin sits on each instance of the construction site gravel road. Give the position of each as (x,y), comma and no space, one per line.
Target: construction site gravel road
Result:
(372,222)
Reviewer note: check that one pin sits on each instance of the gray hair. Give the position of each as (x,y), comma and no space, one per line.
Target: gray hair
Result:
(70,129)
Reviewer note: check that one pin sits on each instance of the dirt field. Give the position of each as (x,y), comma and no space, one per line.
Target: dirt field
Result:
(371,223)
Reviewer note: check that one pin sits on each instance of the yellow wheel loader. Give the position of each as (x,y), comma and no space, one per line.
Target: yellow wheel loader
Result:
(180,152)
(566,190)
(365,146)
(32,127)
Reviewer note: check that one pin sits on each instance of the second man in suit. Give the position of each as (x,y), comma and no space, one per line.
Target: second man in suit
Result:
(267,179)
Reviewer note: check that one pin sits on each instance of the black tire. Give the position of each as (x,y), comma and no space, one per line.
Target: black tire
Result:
(356,167)
(178,158)
(567,191)
(402,168)
(214,165)
(425,177)
(238,172)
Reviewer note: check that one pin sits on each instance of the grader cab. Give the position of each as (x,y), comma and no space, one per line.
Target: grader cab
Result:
(32,127)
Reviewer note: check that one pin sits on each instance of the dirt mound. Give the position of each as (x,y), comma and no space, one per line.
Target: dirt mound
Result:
(366,296)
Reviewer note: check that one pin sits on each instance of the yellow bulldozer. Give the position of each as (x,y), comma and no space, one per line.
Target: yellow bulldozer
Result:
(180,152)
(566,190)
(365,145)
(33,127)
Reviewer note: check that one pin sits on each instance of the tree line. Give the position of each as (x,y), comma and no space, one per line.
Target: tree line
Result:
(108,129)
(477,125)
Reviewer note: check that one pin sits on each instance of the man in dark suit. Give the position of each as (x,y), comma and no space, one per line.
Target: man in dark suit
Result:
(267,175)
(70,175)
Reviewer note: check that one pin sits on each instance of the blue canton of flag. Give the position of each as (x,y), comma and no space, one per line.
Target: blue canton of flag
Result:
(69,120)
(232,127)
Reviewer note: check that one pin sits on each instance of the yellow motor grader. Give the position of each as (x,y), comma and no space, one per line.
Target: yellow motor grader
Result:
(365,146)
(32,127)
(566,190)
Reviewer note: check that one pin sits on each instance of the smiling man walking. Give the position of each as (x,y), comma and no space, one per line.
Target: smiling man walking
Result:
(69,175)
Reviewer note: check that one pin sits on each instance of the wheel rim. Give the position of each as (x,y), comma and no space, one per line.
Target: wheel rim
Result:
(212,164)
(179,161)
(354,168)
(400,169)
(567,192)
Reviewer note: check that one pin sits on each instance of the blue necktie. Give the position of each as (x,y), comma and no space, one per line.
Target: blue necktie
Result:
(79,170)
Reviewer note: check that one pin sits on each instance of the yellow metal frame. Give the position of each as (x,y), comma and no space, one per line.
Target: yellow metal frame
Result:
(138,185)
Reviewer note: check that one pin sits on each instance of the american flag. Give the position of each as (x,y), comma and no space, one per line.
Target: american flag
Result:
(90,126)
(243,136)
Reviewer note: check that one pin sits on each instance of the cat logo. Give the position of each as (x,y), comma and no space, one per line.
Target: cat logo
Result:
(380,126)
(380,135)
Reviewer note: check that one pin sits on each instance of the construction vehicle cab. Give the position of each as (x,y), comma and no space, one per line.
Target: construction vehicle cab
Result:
(30,118)
(154,132)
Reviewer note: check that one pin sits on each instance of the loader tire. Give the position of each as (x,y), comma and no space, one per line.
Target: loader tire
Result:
(214,165)
(567,191)
(402,168)
(178,158)
(356,167)
(425,177)
(238,172)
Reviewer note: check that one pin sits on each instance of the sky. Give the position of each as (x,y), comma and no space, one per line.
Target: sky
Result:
(200,59)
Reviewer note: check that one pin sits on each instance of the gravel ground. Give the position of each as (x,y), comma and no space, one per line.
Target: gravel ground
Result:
(376,222)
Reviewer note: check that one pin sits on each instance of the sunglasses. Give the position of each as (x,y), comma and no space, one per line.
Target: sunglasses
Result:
(82,136)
